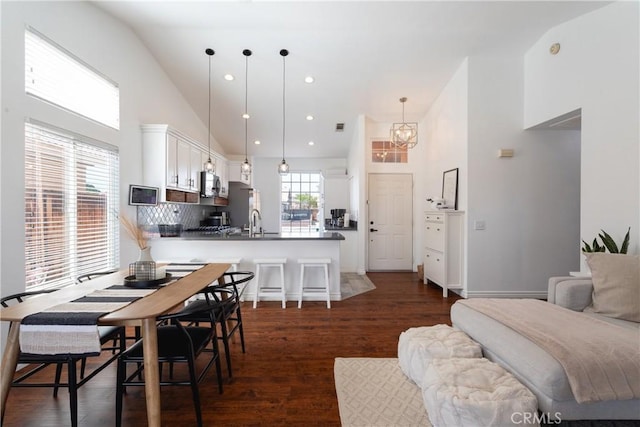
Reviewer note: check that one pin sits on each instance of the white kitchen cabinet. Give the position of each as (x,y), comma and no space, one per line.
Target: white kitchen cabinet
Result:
(222,171)
(235,175)
(349,251)
(170,161)
(195,166)
(183,159)
(444,249)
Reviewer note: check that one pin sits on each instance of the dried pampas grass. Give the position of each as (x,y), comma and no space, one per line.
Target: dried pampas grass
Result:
(136,233)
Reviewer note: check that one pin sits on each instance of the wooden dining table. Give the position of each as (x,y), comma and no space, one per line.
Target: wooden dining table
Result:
(141,312)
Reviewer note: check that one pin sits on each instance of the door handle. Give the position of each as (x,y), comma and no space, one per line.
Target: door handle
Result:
(372,229)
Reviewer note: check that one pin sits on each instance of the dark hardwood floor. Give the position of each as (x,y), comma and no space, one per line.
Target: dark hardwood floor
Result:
(284,378)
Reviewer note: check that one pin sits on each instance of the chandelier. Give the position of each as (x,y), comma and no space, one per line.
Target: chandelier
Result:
(404,135)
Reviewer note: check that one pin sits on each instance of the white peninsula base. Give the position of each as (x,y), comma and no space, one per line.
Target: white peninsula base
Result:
(203,250)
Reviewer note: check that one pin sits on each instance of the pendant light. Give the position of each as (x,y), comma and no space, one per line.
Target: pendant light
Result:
(245,168)
(404,135)
(208,166)
(283,168)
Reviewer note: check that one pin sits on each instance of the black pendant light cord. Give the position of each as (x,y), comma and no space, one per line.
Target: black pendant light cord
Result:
(283,53)
(246,54)
(209,52)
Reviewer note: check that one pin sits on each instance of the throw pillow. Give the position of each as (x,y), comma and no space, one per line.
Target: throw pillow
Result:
(616,284)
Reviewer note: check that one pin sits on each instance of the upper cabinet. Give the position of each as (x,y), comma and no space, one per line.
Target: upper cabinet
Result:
(171,161)
(235,175)
(222,171)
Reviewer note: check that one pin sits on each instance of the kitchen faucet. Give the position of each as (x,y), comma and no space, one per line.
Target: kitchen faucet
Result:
(252,222)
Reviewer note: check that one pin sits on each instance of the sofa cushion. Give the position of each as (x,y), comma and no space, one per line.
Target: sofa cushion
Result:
(616,285)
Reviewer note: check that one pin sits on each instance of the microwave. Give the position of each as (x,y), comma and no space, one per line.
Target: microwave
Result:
(209,184)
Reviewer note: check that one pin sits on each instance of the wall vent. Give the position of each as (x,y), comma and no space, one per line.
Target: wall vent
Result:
(339,127)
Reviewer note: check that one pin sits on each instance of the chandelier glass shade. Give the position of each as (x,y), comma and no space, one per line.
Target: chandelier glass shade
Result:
(208,166)
(245,167)
(283,167)
(404,135)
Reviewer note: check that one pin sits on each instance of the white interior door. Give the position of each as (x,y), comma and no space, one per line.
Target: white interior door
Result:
(390,222)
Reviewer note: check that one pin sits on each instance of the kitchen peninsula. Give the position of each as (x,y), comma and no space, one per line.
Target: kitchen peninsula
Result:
(202,247)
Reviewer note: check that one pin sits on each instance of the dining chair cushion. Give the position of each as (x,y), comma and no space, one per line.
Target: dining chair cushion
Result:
(173,343)
(226,309)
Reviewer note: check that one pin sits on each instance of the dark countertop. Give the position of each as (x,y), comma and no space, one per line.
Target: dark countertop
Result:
(266,236)
(335,228)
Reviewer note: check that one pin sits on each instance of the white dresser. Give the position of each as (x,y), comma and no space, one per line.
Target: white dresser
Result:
(444,249)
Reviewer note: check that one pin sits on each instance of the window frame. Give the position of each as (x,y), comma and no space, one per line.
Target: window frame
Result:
(60,83)
(313,226)
(81,217)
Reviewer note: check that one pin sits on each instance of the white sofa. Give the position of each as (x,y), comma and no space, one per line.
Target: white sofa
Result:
(534,367)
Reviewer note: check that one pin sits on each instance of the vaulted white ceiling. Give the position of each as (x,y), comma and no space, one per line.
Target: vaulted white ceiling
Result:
(363,55)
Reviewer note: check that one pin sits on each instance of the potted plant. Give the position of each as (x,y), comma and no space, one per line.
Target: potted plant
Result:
(607,244)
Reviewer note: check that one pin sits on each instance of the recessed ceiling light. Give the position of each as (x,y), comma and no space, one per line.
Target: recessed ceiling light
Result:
(257,142)
(246,116)
(228,77)
(309,117)
(311,143)
(309,79)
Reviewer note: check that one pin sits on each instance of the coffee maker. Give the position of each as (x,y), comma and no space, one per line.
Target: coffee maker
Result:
(337,217)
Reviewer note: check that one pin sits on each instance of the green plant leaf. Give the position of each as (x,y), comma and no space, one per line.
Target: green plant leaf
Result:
(608,242)
(586,247)
(625,243)
(596,246)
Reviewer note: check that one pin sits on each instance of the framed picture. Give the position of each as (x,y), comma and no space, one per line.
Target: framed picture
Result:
(140,195)
(450,188)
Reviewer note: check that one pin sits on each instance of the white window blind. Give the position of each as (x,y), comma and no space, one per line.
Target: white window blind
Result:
(71,204)
(56,76)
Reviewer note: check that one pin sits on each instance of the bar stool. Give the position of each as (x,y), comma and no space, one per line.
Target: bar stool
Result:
(314,290)
(263,290)
(233,261)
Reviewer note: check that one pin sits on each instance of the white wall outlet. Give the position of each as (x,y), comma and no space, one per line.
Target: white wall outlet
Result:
(479,225)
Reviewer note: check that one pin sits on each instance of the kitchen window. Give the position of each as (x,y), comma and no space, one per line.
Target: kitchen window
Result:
(71,205)
(56,76)
(300,196)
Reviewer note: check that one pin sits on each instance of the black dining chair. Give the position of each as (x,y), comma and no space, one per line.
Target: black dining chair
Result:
(177,343)
(225,300)
(89,276)
(113,335)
